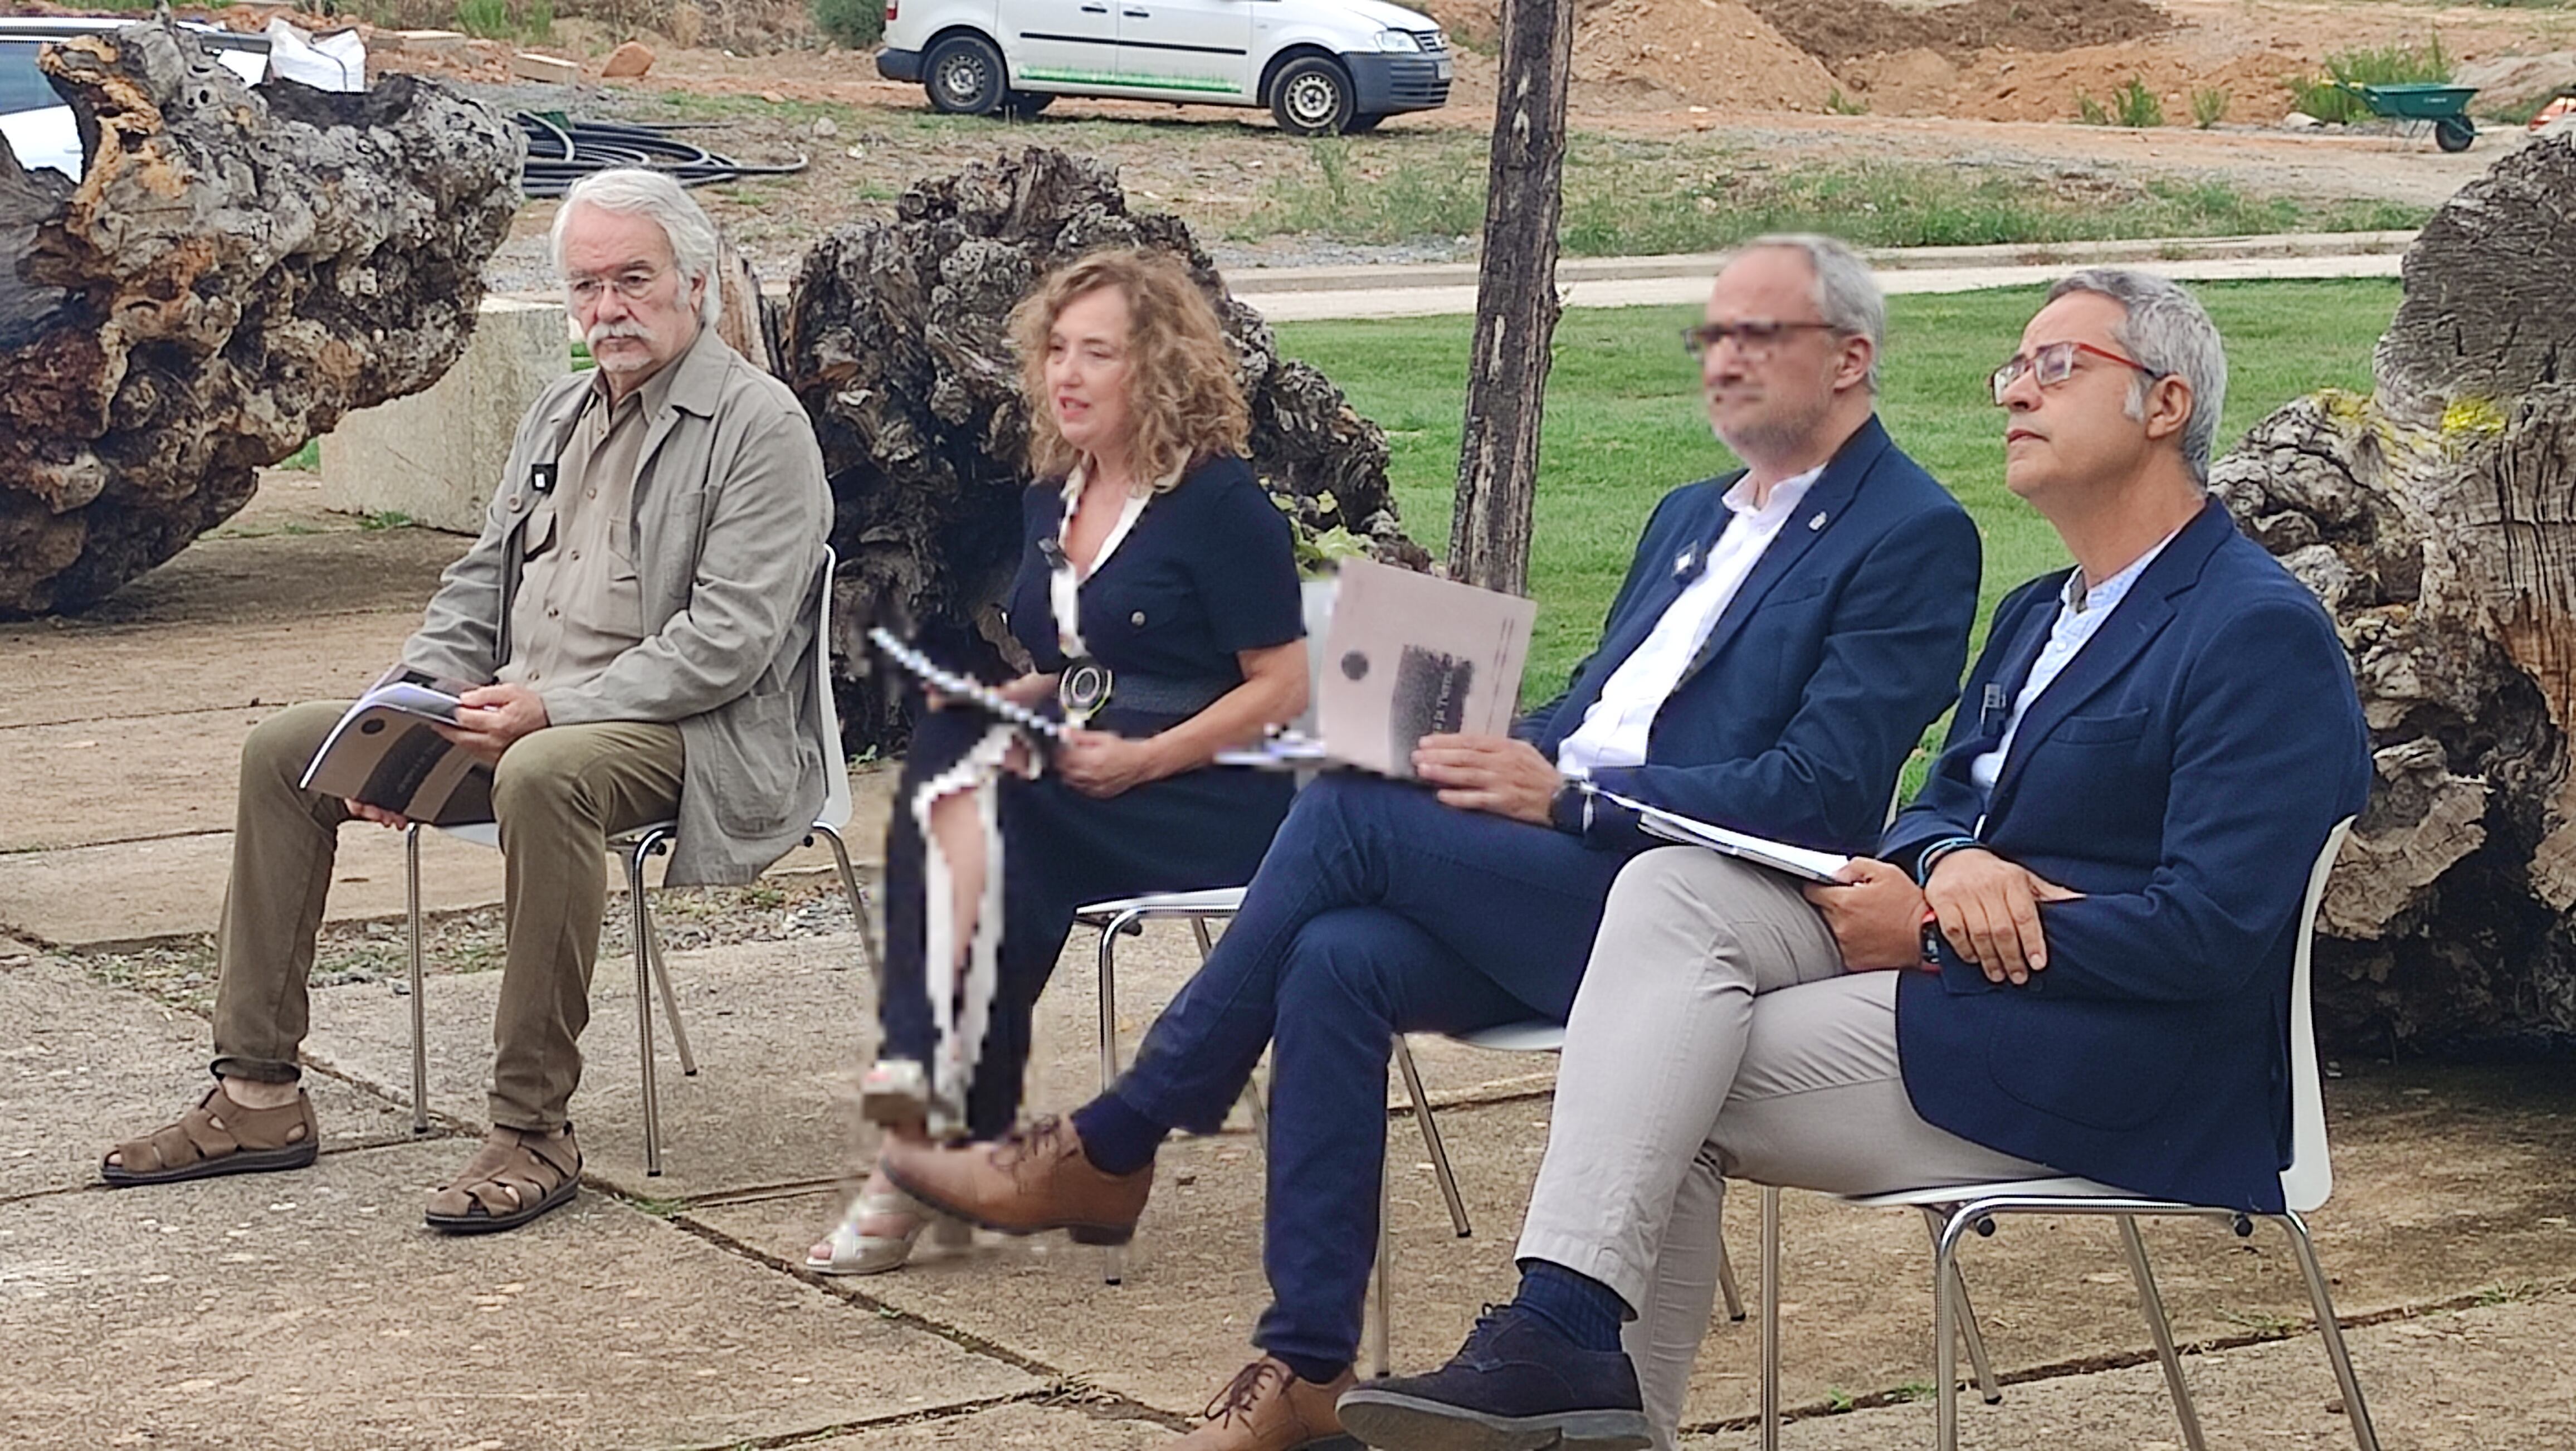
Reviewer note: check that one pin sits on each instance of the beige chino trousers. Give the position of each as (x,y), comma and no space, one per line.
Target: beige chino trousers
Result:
(1717,1036)
(559,794)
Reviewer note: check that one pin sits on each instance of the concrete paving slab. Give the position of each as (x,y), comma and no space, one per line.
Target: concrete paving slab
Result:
(113,673)
(1018,1426)
(129,1318)
(773,1024)
(164,774)
(2492,1378)
(90,1065)
(135,891)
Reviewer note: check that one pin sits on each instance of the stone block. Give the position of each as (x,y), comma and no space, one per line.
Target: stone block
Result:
(435,456)
(421,42)
(527,65)
(634,58)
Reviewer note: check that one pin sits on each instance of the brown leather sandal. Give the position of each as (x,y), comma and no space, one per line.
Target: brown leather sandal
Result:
(218,1136)
(513,1178)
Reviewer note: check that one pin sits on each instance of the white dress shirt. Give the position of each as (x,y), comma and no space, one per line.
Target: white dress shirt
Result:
(1614,730)
(2080,613)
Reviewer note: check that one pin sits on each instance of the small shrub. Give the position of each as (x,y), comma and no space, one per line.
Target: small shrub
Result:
(525,21)
(1842,105)
(855,24)
(2137,106)
(2208,107)
(2089,112)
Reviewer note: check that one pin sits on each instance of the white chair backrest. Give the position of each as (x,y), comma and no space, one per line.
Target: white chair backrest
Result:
(2310,1177)
(835,812)
(1315,597)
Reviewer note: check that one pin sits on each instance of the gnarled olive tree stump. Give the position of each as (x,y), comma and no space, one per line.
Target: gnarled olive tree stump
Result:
(2437,519)
(238,268)
(897,343)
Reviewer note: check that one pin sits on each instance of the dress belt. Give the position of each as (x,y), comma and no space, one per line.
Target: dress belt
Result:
(1181,695)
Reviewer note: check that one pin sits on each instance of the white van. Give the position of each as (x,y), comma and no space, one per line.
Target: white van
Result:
(1323,67)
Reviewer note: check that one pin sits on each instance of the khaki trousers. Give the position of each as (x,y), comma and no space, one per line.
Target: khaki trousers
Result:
(559,794)
(1717,1036)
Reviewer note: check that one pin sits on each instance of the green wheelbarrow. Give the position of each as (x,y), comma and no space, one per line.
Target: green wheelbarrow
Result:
(2445,108)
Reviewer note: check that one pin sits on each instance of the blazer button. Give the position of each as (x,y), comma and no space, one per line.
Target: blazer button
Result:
(1137,618)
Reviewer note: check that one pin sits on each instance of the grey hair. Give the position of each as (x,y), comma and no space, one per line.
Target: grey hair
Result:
(1847,295)
(635,191)
(2169,331)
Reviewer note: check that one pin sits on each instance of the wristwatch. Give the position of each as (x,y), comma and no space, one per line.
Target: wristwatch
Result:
(1932,939)
(1570,809)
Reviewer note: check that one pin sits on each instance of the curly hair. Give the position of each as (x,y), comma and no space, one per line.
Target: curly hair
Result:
(1182,385)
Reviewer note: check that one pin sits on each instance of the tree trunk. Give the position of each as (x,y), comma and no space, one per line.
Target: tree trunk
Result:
(1516,305)
(2434,519)
(237,270)
(897,343)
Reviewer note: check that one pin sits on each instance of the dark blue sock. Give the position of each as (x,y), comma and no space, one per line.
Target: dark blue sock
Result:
(1115,1137)
(1582,1309)
(1311,1371)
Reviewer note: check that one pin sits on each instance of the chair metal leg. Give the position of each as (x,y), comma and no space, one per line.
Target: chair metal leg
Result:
(670,999)
(1771,1318)
(1431,1137)
(419,1014)
(642,929)
(1945,1332)
(2152,1305)
(1113,1269)
(1726,1283)
(2337,1353)
(1199,930)
(1381,1327)
(858,899)
(1978,1364)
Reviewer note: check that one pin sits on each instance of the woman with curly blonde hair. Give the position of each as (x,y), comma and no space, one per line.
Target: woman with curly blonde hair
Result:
(1157,599)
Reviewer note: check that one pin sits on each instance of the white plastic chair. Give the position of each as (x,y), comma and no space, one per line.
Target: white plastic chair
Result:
(1957,1208)
(637,847)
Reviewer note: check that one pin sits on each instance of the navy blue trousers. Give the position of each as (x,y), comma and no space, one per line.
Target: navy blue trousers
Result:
(1377,911)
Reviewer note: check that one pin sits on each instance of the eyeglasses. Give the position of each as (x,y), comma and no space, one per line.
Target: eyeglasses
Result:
(1754,339)
(2050,364)
(631,284)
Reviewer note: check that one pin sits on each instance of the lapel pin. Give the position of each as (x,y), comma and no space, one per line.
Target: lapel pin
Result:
(1682,562)
(1817,522)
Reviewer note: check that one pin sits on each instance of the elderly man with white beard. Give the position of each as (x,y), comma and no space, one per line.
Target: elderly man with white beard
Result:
(636,621)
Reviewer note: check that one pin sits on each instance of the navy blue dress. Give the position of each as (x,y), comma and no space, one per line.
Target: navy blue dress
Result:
(1207,570)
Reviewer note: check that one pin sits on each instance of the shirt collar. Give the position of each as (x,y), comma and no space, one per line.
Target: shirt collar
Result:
(1784,496)
(2080,600)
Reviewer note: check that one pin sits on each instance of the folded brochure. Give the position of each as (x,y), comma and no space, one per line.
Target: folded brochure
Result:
(966,688)
(384,753)
(1797,861)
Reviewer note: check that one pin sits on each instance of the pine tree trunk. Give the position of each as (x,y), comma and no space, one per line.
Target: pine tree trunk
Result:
(1516,304)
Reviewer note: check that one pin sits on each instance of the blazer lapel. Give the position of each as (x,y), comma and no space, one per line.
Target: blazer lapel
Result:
(1630,630)
(1826,501)
(2135,622)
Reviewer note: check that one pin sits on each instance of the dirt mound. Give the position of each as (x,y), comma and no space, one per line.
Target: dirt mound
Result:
(1835,31)
(1714,52)
(2018,85)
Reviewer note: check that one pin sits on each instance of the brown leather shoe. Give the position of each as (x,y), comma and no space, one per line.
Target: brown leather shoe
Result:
(1267,1408)
(1035,1180)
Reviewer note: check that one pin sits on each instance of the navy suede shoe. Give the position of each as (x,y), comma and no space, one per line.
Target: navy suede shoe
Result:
(1516,1385)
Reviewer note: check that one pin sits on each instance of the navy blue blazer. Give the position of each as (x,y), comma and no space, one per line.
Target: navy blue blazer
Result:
(1844,643)
(2182,773)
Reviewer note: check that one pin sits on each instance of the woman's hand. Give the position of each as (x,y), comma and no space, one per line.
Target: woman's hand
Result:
(1102,764)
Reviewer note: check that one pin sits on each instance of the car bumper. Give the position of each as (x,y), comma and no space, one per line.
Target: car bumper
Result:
(899,65)
(1383,84)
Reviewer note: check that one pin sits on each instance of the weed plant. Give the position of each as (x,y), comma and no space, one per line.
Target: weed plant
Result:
(2137,106)
(2208,107)
(524,21)
(2090,112)
(853,24)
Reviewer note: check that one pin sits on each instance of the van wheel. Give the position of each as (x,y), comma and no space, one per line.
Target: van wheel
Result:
(1312,97)
(964,76)
(1023,105)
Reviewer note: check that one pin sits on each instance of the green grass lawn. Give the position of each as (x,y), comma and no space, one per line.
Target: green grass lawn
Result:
(1625,423)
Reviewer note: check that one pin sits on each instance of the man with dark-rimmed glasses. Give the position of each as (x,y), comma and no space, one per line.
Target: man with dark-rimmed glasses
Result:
(2090,913)
(1783,637)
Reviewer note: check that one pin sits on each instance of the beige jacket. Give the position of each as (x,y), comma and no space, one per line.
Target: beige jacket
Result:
(731,514)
